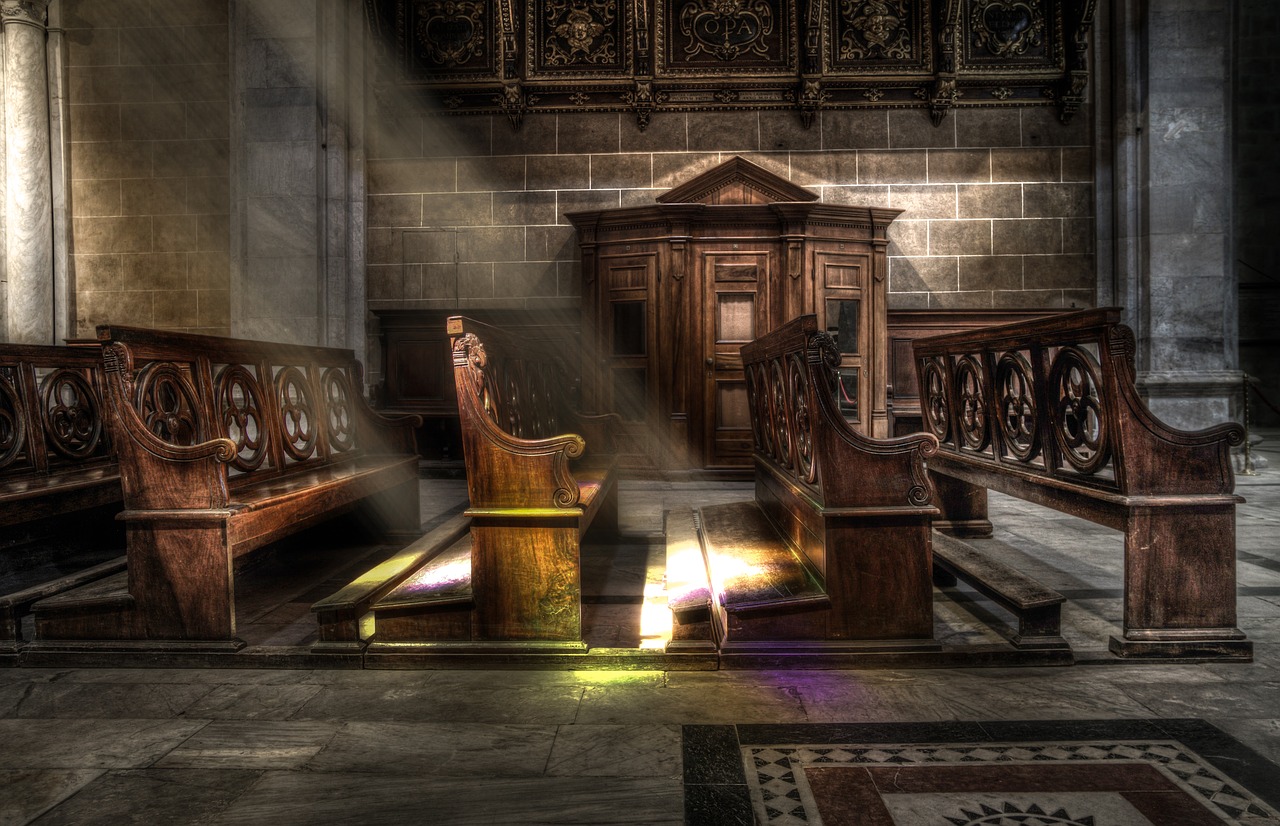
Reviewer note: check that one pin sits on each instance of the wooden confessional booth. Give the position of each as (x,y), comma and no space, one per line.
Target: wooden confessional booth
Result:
(672,291)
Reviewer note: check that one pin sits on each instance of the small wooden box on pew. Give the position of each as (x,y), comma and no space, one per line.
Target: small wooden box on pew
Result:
(224,446)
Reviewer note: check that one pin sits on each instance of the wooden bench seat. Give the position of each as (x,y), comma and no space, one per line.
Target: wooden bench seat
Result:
(225,446)
(1037,610)
(833,555)
(59,480)
(1047,411)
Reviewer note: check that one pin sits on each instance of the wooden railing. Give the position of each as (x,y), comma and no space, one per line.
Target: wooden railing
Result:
(1048,411)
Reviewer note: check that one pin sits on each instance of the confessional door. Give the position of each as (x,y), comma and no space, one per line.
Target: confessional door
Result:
(736,300)
(630,354)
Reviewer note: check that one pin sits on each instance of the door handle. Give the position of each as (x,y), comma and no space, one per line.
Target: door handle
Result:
(710,363)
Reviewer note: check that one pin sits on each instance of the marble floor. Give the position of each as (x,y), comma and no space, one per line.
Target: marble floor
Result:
(297,746)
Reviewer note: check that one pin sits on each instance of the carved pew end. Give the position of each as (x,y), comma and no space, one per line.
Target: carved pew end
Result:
(1037,610)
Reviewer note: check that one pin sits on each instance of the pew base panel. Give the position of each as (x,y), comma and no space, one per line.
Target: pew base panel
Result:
(1188,650)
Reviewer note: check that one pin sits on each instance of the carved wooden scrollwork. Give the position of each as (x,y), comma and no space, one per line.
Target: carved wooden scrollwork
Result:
(240,410)
(1016,399)
(1079,426)
(1007,28)
(167,403)
(339,408)
(297,413)
(72,419)
(707,55)
(971,404)
(13,421)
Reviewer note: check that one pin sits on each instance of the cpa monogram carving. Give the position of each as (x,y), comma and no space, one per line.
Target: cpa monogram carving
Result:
(727,29)
(580,32)
(875,28)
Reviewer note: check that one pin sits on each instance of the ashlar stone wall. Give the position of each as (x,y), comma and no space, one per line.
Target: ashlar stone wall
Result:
(148,121)
(467,212)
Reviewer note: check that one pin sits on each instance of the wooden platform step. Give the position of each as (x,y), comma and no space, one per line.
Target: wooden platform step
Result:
(345,617)
(1037,609)
(687,585)
(751,568)
(431,604)
(17,603)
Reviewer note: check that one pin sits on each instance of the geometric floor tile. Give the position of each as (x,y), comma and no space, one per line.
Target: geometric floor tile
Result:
(1192,774)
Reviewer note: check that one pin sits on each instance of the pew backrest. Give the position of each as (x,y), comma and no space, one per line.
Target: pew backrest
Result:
(1054,401)
(53,437)
(800,434)
(198,417)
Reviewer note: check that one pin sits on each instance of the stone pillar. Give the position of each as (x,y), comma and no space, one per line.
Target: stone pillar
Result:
(28,241)
(1171,160)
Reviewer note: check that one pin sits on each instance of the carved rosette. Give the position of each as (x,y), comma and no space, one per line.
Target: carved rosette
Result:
(339,411)
(1016,401)
(239,400)
(166,401)
(779,418)
(802,417)
(872,29)
(1079,426)
(971,403)
(936,405)
(13,421)
(580,32)
(69,408)
(297,413)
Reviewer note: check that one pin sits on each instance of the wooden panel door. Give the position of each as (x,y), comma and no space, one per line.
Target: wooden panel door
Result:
(629,380)
(844,312)
(736,311)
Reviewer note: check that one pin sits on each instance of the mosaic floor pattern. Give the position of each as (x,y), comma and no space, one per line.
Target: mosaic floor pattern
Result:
(1077,773)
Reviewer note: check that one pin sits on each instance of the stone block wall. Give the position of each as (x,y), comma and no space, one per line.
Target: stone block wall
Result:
(149,162)
(467,212)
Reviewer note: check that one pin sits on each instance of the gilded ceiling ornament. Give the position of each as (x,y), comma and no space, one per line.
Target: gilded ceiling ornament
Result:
(579,26)
(452,32)
(1007,28)
(876,28)
(726,28)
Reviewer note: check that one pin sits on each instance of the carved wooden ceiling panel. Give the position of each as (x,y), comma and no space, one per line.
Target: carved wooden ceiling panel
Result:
(650,56)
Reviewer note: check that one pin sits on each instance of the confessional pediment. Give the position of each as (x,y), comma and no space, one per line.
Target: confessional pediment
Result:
(736,181)
(519,56)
